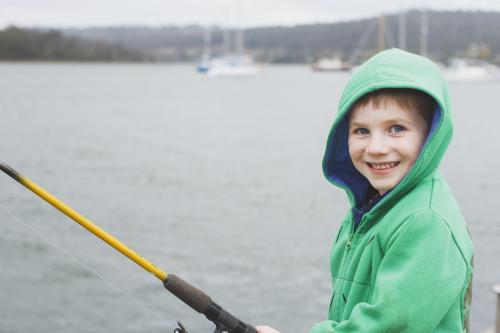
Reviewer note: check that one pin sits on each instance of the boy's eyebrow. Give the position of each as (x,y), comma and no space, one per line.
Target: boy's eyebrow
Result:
(397,120)
(388,121)
(355,124)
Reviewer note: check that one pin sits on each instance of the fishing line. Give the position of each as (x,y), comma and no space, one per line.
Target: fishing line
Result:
(40,234)
(192,296)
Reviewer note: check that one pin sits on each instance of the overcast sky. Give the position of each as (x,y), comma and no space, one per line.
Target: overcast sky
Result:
(242,13)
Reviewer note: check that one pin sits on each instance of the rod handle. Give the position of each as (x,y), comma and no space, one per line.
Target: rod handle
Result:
(190,295)
(202,303)
(226,322)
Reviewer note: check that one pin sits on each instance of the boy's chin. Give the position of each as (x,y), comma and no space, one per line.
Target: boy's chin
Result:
(382,188)
(384,185)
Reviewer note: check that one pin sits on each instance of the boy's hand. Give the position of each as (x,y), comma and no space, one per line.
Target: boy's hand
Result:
(265,329)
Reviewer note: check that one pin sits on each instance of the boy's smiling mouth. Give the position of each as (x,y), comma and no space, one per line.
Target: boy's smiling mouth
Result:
(382,166)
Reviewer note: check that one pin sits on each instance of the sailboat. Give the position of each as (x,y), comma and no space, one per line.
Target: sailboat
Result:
(334,64)
(466,70)
(236,63)
(353,59)
(204,63)
(470,70)
(233,65)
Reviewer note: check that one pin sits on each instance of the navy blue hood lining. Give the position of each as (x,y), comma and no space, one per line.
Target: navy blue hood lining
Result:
(337,164)
(370,199)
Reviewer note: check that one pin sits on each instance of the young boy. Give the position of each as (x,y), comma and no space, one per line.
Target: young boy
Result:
(402,260)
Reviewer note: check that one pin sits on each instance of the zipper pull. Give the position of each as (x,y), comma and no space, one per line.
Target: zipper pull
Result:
(349,242)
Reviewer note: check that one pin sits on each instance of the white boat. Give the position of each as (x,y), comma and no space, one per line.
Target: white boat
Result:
(470,70)
(232,65)
(204,63)
(330,65)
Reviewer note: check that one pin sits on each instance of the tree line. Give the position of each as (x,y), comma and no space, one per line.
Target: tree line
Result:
(473,34)
(18,44)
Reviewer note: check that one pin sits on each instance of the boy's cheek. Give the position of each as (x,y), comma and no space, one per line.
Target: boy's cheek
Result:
(354,148)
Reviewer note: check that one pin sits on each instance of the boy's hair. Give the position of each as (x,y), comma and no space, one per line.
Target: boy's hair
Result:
(405,98)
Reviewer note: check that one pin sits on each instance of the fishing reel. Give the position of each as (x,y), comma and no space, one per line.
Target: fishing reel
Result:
(181,328)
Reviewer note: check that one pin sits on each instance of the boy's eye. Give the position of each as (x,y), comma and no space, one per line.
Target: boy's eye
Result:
(397,129)
(362,131)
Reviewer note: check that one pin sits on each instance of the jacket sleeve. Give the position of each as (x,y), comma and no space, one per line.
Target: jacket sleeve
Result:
(421,275)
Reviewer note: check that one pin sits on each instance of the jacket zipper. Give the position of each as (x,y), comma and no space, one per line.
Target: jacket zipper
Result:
(346,261)
(349,242)
(349,245)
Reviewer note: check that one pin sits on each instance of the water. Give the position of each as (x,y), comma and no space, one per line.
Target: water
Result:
(215,180)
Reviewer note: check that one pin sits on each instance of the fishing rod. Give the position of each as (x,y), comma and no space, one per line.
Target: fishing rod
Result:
(192,296)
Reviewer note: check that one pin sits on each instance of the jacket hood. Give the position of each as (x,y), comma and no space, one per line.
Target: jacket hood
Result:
(389,69)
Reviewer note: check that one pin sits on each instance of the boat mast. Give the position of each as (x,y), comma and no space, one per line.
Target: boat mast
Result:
(226,41)
(381,33)
(424,32)
(207,41)
(240,41)
(402,30)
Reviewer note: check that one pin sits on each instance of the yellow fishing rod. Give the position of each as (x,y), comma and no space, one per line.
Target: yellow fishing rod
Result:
(192,296)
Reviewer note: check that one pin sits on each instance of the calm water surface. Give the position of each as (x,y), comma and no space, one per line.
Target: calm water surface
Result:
(216,180)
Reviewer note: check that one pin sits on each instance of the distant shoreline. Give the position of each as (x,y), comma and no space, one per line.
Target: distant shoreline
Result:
(464,34)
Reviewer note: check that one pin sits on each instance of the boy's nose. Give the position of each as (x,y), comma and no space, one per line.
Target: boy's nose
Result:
(377,146)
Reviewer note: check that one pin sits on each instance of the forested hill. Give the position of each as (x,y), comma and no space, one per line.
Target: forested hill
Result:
(17,44)
(451,33)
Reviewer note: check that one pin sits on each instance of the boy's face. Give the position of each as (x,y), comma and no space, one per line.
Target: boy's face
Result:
(384,142)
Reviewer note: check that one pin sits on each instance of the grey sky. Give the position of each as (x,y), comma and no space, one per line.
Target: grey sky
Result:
(242,13)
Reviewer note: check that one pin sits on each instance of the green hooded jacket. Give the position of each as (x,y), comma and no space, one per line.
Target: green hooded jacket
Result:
(407,266)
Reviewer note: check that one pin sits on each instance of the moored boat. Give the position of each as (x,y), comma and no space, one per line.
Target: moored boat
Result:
(330,65)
